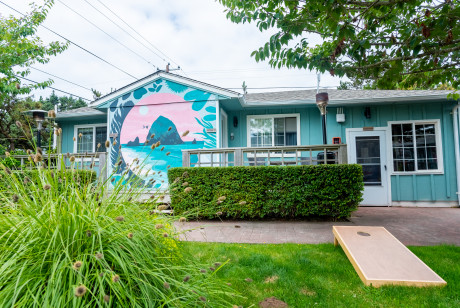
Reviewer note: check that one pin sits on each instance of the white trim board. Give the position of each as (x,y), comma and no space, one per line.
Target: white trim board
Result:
(425,203)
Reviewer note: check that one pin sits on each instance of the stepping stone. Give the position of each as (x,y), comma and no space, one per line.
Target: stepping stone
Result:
(380,259)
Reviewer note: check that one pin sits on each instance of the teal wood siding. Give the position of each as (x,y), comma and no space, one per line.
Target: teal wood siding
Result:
(429,187)
(68,132)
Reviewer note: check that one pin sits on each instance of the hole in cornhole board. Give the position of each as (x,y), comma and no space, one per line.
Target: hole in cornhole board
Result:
(381,259)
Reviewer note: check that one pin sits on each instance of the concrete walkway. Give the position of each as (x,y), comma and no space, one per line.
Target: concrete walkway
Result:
(412,226)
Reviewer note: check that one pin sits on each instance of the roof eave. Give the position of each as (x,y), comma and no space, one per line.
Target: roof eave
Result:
(332,102)
(168,76)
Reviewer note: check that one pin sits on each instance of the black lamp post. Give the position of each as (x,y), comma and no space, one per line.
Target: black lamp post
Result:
(38,116)
(321,101)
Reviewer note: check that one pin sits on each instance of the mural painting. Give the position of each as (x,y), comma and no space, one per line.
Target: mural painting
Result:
(166,114)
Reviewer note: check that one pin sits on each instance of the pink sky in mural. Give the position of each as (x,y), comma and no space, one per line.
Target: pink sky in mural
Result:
(137,123)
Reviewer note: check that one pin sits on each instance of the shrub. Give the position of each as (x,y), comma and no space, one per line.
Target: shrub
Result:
(273,191)
(9,161)
(70,243)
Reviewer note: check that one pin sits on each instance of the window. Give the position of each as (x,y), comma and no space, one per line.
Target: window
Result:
(273,130)
(91,136)
(416,147)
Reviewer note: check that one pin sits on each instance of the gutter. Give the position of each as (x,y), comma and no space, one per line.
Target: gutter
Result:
(457,149)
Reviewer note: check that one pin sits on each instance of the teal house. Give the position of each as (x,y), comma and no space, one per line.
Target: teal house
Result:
(406,141)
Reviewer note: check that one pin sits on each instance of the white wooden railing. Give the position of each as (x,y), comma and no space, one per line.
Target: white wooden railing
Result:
(80,161)
(268,156)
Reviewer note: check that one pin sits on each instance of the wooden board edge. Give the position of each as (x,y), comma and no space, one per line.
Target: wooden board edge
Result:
(406,283)
(350,257)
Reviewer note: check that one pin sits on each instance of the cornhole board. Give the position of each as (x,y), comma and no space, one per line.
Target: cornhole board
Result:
(380,259)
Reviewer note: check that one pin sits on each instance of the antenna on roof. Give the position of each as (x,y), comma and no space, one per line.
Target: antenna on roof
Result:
(171,69)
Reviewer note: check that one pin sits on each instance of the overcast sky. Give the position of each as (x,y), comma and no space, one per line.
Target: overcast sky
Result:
(194,34)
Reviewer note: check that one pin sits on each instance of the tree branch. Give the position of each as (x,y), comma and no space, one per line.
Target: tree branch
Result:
(405,58)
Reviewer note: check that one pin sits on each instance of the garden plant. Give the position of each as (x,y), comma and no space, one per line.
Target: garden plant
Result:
(66,240)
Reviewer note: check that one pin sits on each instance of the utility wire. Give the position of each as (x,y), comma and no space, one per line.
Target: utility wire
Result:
(54,88)
(76,84)
(136,39)
(73,43)
(139,34)
(113,38)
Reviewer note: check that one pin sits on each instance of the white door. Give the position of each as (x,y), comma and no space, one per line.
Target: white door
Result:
(368,148)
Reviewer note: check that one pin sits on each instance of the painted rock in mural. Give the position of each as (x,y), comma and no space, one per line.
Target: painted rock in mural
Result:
(134,143)
(165,131)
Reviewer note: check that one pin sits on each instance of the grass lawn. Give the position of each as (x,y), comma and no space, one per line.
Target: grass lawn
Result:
(321,275)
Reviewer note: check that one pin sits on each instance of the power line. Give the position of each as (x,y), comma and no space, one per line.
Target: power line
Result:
(54,88)
(61,79)
(136,39)
(75,44)
(140,35)
(113,38)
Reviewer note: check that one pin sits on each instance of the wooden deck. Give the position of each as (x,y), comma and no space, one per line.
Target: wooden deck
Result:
(380,259)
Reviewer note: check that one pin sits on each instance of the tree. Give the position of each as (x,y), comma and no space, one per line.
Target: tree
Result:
(14,126)
(20,48)
(63,103)
(388,44)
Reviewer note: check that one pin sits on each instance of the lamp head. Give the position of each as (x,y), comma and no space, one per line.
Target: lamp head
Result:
(322,100)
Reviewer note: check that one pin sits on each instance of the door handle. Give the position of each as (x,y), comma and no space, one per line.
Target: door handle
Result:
(385,166)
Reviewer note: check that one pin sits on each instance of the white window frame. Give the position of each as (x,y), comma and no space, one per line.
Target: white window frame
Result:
(271,116)
(93,126)
(439,152)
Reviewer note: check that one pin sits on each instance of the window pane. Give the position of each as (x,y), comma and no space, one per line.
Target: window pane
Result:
(279,132)
(430,140)
(429,129)
(85,142)
(407,129)
(431,152)
(408,141)
(421,164)
(291,131)
(396,129)
(409,165)
(398,153)
(432,164)
(101,137)
(261,131)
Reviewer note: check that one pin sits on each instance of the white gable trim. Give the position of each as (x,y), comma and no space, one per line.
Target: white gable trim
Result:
(168,76)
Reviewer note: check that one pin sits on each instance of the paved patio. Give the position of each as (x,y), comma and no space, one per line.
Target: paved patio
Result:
(412,226)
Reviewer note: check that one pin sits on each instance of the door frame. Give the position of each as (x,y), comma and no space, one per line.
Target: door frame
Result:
(386,131)
(223,129)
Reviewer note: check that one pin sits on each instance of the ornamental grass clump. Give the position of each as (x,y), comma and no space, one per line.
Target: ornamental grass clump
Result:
(65,242)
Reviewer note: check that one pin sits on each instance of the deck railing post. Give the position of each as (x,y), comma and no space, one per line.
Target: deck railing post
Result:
(102,167)
(185,158)
(238,157)
(343,158)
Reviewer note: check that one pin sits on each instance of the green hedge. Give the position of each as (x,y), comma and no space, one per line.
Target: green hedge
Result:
(257,192)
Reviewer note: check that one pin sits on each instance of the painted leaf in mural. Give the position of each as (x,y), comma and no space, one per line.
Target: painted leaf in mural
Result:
(209,117)
(198,97)
(211,109)
(126,96)
(139,93)
(176,87)
(204,123)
